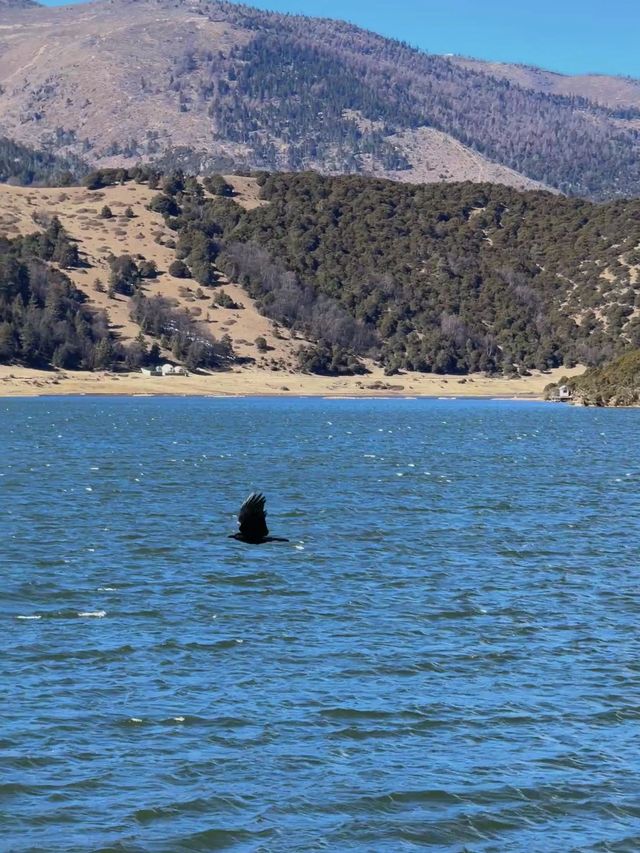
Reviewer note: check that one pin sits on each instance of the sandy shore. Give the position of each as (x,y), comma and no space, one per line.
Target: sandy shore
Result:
(23,382)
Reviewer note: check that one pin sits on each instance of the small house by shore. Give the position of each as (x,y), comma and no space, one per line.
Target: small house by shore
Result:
(562,394)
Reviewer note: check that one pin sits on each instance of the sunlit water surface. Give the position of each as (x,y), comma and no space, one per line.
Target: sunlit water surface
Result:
(445,655)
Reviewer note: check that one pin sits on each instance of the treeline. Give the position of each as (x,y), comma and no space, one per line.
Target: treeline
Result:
(25,166)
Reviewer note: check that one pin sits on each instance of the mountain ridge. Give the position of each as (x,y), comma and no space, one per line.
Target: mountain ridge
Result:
(119,81)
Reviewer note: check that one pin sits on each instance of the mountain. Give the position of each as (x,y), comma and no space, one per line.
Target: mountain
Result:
(216,85)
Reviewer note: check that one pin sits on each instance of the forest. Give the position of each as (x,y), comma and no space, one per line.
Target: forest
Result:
(446,278)
(26,166)
(45,320)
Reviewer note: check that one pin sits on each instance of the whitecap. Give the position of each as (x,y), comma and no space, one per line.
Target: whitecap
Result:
(88,489)
(135,720)
(29,617)
(179,719)
(299,547)
(107,589)
(98,614)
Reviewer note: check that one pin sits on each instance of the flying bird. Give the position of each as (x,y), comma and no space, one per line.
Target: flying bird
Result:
(252,522)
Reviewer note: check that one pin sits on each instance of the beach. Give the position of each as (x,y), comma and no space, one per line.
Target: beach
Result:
(18,381)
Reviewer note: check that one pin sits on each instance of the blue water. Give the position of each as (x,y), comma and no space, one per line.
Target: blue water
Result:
(445,655)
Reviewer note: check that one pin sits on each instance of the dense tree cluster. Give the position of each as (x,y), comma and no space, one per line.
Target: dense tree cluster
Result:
(108,177)
(449,278)
(43,317)
(52,244)
(178,332)
(217,185)
(25,166)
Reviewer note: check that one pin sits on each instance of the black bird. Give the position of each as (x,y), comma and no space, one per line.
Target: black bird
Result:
(252,521)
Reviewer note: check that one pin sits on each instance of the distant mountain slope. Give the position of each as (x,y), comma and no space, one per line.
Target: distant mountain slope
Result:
(17,4)
(194,81)
(617,93)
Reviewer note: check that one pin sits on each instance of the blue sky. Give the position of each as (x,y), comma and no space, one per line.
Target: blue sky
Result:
(572,36)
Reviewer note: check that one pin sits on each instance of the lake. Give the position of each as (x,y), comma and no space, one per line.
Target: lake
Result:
(445,655)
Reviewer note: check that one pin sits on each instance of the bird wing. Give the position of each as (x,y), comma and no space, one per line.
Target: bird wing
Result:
(252,517)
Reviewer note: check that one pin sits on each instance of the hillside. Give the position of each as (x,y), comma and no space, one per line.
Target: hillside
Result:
(215,86)
(614,384)
(620,94)
(25,211)
(449,278)
(332,275)
(142,235)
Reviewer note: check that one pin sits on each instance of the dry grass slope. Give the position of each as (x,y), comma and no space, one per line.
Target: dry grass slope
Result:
(146,235)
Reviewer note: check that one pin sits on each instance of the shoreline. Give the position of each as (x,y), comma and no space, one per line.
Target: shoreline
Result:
(251,382)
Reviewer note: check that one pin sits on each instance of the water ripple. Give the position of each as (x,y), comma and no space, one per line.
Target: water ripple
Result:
(447,658)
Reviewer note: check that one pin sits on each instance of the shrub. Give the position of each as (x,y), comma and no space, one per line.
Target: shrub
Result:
(164,204)
(178,269)
(124,276)
(223,299)
(217,185)
(148,269)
